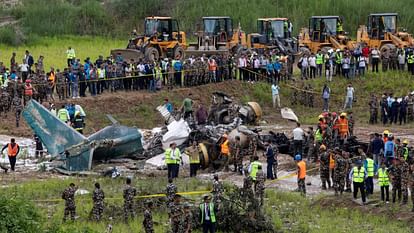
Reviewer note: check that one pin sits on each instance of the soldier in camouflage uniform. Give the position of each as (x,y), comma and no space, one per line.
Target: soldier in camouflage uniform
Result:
(247,187)
(351,124)
(148,223)
(412,183)
(294,97)
(217,191)
(373,110)
(18,108)
(98,202)
(187,220)
(405,179)
(310,141)
(61,85)
(129,194)
(238,156)
(260,185)
(4,102)
(70,207)
(252,149)
(170,192)
(176,215)
(339,173)
(394,59)
(275,162)
(395,174)
(348,181)
(324,167)
(187,73)
(385,58)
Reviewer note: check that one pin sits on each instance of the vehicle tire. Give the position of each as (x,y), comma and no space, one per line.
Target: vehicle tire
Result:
(303,51)
(179,51)
(152,54)
(387,48)
(326,49)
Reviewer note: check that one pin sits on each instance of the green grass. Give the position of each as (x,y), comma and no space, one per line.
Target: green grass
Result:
(54,49)
(289,211)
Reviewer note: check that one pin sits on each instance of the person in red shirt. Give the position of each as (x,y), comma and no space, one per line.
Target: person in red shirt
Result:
(365,53)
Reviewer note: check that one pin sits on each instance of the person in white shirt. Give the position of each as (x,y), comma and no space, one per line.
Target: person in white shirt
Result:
(375,55)
(304,66)
(312,65)
(361,65)
(401,60)
(349,96)
(24,69)
(242,65)
(275,95)
(298,137)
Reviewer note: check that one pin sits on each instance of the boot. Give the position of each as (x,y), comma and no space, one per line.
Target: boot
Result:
(323,187)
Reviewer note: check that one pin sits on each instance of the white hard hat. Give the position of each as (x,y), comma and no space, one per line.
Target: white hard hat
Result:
(338,50)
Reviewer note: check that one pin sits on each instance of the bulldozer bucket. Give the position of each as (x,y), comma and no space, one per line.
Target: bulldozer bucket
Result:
(127,54)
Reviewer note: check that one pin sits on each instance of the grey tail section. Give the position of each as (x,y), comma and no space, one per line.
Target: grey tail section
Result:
(55,134)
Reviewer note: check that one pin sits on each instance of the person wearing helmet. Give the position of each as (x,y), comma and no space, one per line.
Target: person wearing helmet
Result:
(389,153)
(301,174)
(385,135)
(358,175)
(404,150)
(343,127)
(28,91)
(324,167)
(339,173)
(78,122)
(405,178)
(371,168)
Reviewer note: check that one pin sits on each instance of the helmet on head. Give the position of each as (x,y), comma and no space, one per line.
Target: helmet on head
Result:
(320,117)
(386,132)
(334,114)
(343,114)
(406,141)
(322,147)
(298,157)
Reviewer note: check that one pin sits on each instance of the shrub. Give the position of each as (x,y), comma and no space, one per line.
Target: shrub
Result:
(19,216)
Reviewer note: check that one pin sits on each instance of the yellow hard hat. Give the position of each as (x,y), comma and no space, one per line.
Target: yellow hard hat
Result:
(386,132)
(322,147)
(343,114)
(406,141)
(225,135)
(320,116)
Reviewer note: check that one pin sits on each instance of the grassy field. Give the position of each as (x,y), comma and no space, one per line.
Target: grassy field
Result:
(289,211)
(54,49)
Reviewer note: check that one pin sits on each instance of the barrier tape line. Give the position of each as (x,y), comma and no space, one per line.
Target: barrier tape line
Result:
(137,197)
(288,176)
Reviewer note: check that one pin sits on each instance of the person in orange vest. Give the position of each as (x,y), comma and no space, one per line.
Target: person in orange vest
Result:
(13,150)
(301,174)
(332,162)
(212,69)
(28,91)
(343,127)
(225,152)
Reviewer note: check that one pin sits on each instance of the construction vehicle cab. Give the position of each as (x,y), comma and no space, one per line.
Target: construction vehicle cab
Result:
(382,32)
(162,38)
(324,33)
(217,37)
(272,33)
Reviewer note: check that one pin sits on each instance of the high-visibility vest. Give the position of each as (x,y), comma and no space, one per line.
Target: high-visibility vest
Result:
(358,176)
(318,135)
(12,151)
(285,26)
(405,154)
(319,59)
(225,147)
(255,168)
(70,53)
(63,114)
(212,214)
(410,59)
(169,159)
(28,90)
(370,167)
(78,123)
(343,125)
(338,58)
(383,178)
(339,27)
(331,162)
(302,170)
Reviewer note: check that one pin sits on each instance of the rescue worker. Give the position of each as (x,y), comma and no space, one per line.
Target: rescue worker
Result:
(384,183)
(357,175)
(63,114)
(324,167)
(332,164)
(28,91)
(225,152)
(170,192)
(98,202)
(70,54)
(405,150)
(238,156)
(260,186)
(208,215)
(172,159)
(395,176)
(343,127)
(129,194)
(193,153)
(412,185)
(70,207)
(301,165)
(176,214)
(310,140)
(371,168)
(254,169)
(217,191)
(187,220)
(319,62)
(339,173)
(405,178)
(78,123)
(148,224)
(13,150)
(270,159)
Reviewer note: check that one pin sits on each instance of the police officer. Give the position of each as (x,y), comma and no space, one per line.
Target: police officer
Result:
(357,175)
(208,215)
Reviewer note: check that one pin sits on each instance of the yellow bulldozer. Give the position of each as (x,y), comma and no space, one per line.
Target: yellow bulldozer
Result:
(272,33)
(382,32)
(217,37)
(324,33)
(162,38)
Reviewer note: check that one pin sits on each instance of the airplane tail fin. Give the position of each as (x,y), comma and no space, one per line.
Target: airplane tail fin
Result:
(55,134)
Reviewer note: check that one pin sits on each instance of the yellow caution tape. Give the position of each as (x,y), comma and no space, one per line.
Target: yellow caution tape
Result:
(288,176)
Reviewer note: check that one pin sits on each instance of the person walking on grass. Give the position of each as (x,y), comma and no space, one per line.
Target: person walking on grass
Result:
(358,175)
(13,150)
(275,95)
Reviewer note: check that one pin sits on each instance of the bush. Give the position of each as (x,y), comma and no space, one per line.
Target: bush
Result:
(19,216)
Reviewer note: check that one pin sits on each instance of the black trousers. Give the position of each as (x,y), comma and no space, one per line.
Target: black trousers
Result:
(369,184)
(176,169)
(297,146)
(208,226)
(375,62)
(361,188)
(193,169)
(12,160)
(386,190)
(170,170)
